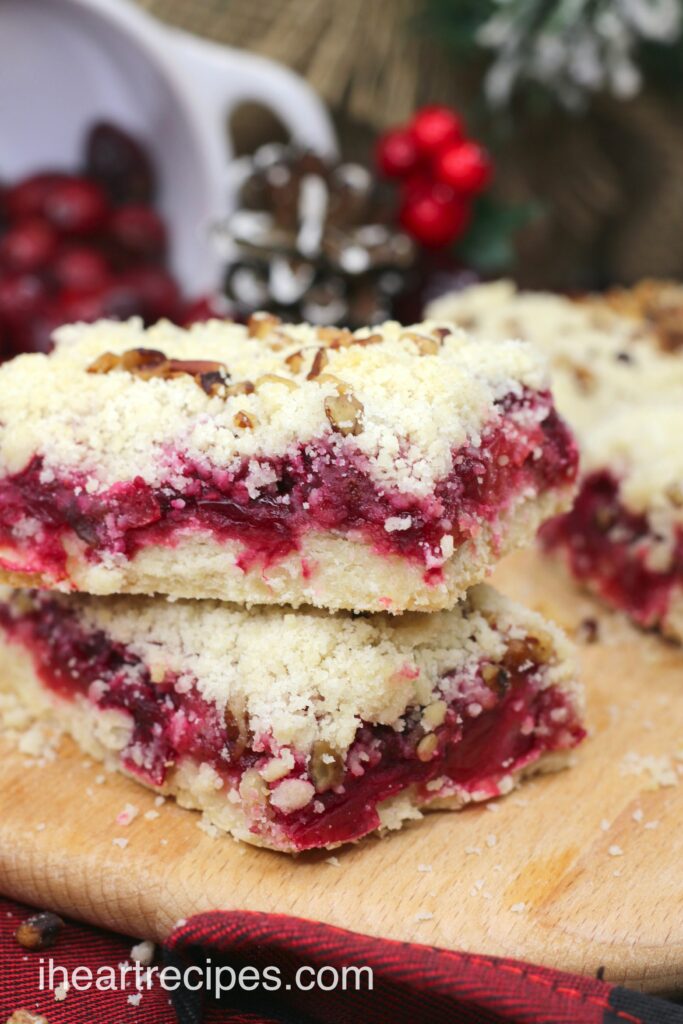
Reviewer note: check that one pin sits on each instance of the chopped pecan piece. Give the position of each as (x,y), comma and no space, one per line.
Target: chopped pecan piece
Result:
(295,361)
(320,361)
(260,325)
(148,362)
(530,650)
(327,766)
(244,420)
(273,378)
(236,731)
(372,339)
(496,678)
(143,361)
(39,931)
(104,363)
(425,345)
(345,414)
(588,631)
(427,746)
(243,387)
(336,337)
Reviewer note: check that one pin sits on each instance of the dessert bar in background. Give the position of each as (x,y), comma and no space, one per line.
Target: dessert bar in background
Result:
(299,730)
(383,470)
(619,382)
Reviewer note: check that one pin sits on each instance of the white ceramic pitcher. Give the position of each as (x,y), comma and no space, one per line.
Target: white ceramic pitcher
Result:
(67,63)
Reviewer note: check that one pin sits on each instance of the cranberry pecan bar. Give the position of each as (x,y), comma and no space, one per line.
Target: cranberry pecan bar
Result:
(622,393)
(386,469)
(624,536)
(599,360)
(299,729)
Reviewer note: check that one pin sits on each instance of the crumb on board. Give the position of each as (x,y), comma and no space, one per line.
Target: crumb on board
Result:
(128,814)
(659,768)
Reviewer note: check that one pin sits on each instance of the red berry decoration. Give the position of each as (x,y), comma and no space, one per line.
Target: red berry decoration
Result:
(464,166)
(434,127)
(441,172)
(80,269)
(28,246)
(435,217)
(397,154)
(76,206)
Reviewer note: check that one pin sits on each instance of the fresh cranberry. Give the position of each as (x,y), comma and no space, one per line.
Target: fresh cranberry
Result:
(120,164)
(27,199)
(138,233)
(207,307)
(4,212)
(21,296)
(28,246)
(76,306)
(35,333)
(435,217)
(155,292)
(397,154)
(76,206)
(434,127)
(464,166)
(80,269)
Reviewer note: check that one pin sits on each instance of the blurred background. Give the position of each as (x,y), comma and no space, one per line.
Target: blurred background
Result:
(578,100)
(467,139)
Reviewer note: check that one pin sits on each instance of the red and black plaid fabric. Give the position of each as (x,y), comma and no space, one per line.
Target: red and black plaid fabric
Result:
(411,983)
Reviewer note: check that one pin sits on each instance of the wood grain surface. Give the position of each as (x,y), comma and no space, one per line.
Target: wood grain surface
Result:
(578,870)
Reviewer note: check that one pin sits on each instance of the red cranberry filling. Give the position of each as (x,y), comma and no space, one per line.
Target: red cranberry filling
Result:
(475,747)
(608,546)
(317,487)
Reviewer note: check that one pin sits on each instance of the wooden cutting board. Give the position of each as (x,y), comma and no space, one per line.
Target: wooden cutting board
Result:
(579,870)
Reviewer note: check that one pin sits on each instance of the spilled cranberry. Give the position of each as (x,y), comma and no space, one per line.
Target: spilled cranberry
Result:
(77,247)
(27,198)
(28,246)
(76,206)
(138,234)
(21,296)
(208,307)
(80,269)
(120,164)
(155,291)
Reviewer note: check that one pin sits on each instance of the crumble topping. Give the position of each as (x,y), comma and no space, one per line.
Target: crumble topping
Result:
(219,393)
(642,447)
(599,360)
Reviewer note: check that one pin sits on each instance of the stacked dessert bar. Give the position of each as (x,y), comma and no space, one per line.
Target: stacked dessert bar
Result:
(163,493)
(619,381)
